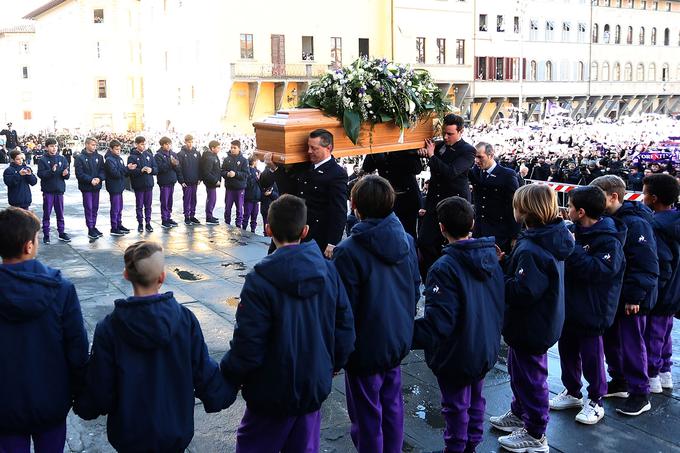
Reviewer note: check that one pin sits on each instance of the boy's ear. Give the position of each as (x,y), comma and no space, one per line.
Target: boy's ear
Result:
(268,230)
(442,228)
(125,275)
(304,233)
(30,246)
(161,278)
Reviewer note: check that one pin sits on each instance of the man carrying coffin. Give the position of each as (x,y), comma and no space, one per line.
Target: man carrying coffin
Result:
(322,183)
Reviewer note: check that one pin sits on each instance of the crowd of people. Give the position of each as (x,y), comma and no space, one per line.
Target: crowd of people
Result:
(496,255)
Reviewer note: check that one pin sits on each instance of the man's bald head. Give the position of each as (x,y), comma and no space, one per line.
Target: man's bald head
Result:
(144,263)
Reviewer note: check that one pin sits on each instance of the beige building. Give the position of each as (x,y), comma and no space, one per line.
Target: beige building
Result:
(17,77)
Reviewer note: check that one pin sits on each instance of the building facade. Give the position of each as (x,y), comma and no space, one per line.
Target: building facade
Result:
(17,77)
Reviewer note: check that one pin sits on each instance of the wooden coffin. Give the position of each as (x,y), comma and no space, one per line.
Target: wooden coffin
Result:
(285,136)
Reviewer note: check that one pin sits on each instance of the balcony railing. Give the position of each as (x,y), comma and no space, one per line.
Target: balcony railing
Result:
(278,71)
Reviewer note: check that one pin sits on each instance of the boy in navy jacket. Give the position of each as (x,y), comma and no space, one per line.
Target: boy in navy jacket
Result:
(168,171)
(379,268)
(19,178)
(148,361)
(660,194)
(189,178)
(624,344)
(252,196)
(116,171)
(90,173)
(593,279)
(461,329)
(141,180)
(294,329)
(534,315)
(211,174)
(235,173)
(43,343)
(53,171)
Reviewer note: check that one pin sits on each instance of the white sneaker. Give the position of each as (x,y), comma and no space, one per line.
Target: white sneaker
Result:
(666,380)
(565,401)
(507,422)
(520,441)
(591,413)
(655,385)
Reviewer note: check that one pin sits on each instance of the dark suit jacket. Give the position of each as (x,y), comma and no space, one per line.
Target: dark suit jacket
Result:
(325,192)
(493,202)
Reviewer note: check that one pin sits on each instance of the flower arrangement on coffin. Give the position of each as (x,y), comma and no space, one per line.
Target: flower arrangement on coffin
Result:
(376,91)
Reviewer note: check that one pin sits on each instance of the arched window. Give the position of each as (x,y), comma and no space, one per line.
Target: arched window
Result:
(629,36)
(533,70)
(617,35)
(653,42)
(665,72)
(580,75)
(642,36)
(628,72)
(667,37)
(640,72)
(617,72)
(593,71)
(651,73)
(605,71)
(596,33)
(605,34)
(548,70)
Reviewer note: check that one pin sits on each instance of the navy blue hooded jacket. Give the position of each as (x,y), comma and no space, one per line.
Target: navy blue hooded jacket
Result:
(666,225)
(19,186)
(138,180)
(239,165)
(211,172)
(116,171)
(294,327)
(167,173)
(43,347)
(379,267)
(534,288)
(594,276)
(189,166)
(642,264)
(464,303)
(89,166)
(253,192)
(53,181)
(148,361)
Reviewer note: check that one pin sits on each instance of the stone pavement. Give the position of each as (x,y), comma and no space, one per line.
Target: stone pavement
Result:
(206,267)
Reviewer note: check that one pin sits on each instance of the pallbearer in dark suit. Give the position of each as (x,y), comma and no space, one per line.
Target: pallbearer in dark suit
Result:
(322,183)
(493,187)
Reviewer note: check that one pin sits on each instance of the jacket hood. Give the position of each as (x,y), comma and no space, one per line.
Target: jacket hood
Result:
(147,322)
(478,255)
(384,238)
(299,270)
(554,237)
(27,290)
(606,225)
(636,209)
(669,223)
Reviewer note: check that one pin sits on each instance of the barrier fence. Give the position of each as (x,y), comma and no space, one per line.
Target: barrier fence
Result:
(563,189)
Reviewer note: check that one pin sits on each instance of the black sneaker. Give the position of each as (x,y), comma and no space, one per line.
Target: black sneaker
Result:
(212,221)
(187,221)
(165,224)
(99,233)
(195,221)
(635,405)
(46,239)
(64,237)
(172,223)
(116,233)
(616,389)
(140,228)
(123,229)
(149,228)
(92,234)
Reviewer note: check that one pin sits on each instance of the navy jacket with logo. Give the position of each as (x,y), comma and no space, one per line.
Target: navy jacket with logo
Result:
(294,327)
(189,166)
(19,186)
(253,191)
(89,166)
(116,171)
(43,347)
(594,276)
(666,225)
(239,165)
(53,181)
(534,288)
(168,174)
(464,303)
(379,267)
(138,180)
(211,171)
(148,361)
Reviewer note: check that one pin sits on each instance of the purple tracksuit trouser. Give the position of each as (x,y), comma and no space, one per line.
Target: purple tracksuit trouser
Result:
(234,197)
(189,200)
(529,383)
(659,344)
(91,208)
(463,410)
(626,353)
(143,201)
(50,201)
(269,434)
(582,355)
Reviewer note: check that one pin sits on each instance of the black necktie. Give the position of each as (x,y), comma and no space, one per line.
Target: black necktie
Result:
(485,174)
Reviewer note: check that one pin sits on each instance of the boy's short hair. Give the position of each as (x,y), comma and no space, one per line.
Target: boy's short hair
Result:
(251,160)
(114,143)
(457,215)
(139,139)
(213,144)
(589,198)
(18,226)
(142,267)
(537,203)
(164,141)
(90,140)
(236,143)
(188,138)
(50,141)
(287,218)
(611,184)
(373,197)
(665,187)
(14,153)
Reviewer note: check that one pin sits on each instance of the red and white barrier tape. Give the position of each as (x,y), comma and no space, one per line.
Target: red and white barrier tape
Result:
(565,188)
